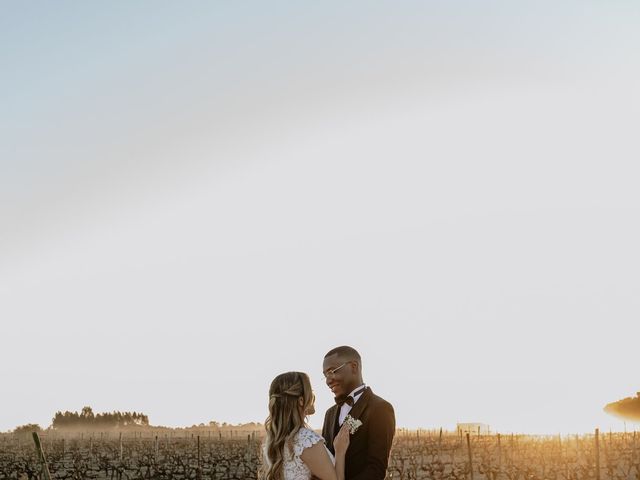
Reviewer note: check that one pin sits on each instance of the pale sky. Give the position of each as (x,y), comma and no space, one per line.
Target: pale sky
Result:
(198,196)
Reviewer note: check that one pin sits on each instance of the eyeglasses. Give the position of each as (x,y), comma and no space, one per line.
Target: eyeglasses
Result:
(331,373)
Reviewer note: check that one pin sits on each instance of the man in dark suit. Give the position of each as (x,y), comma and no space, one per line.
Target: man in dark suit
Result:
(368,454)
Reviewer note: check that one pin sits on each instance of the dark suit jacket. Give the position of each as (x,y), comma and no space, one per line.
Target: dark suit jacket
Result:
(368,453)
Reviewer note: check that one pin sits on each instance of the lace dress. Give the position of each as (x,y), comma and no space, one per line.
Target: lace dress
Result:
(294,467)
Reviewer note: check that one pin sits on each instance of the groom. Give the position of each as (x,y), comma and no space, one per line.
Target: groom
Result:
(368,454)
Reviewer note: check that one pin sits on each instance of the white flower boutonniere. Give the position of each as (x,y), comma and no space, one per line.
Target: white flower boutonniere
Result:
(352,423)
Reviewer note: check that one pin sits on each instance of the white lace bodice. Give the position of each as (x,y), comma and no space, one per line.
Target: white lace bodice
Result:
(294,467)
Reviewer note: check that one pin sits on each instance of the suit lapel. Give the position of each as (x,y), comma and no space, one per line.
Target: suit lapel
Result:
(332,428)
(361,404)
(355,412)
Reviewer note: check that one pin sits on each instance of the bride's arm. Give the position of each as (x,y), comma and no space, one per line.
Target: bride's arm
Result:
(316,458)
(339,466)
(341,444)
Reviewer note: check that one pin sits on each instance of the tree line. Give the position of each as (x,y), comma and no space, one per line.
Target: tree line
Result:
(87,419)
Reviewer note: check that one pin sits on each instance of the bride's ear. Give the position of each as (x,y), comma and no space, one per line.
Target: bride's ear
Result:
(301,401)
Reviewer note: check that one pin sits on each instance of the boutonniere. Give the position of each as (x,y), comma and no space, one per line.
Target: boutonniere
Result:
(352,423)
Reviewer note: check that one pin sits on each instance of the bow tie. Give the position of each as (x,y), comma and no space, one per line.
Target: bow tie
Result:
(349,399)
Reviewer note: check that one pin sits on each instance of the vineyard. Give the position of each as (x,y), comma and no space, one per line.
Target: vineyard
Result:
(415,455)
(515,457)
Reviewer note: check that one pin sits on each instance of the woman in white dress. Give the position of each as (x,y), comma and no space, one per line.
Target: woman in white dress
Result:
(291,450)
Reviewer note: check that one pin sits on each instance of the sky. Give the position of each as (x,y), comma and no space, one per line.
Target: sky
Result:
(196,197)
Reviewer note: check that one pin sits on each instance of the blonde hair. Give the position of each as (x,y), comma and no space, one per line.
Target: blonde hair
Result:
(284,419)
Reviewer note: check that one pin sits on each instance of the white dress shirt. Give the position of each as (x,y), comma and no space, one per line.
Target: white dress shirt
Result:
(346,408)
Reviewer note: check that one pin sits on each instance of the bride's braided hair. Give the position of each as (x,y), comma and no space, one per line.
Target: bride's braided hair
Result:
(284,419)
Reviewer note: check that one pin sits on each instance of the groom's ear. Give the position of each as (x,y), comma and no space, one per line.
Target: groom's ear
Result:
(355,366)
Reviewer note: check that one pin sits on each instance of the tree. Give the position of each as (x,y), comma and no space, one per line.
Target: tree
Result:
(627,408)
(87,413)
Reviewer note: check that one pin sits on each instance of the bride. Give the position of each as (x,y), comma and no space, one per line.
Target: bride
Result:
(291,450)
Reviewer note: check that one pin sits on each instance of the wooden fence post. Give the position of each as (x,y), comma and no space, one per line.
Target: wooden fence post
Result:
(560,445)
(597,454)
(45,468)
(470,456)
(199,470)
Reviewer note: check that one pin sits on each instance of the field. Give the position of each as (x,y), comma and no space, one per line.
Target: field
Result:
(415,455)
(515,457)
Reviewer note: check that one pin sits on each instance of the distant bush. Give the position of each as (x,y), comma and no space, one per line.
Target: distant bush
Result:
(30,427)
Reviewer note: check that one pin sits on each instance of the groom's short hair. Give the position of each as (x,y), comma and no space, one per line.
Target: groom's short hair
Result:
(345,352)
